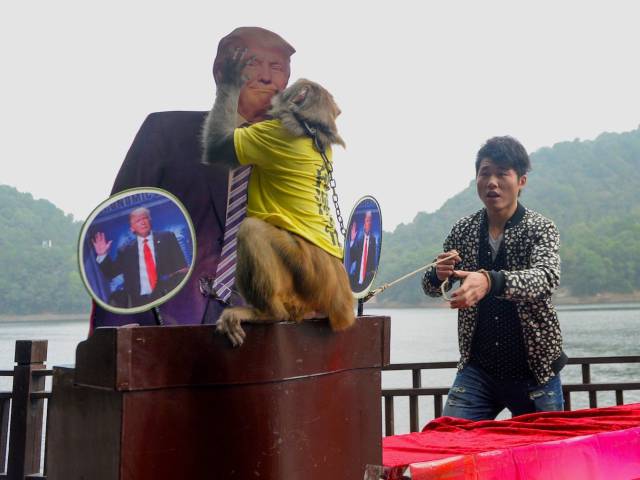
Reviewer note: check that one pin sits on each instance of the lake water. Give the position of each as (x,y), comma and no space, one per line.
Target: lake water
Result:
(417,335)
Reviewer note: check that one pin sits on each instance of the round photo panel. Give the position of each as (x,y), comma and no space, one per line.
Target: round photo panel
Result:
(136,250)
(362,245)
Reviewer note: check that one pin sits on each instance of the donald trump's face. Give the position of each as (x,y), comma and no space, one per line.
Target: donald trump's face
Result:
(367,222)
(267,73)
(140,223)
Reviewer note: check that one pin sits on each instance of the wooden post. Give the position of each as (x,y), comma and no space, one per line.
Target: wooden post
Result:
(25,437)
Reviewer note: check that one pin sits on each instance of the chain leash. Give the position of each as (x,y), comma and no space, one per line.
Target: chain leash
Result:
(313,133)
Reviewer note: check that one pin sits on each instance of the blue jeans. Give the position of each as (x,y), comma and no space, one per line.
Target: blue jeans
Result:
(477,396)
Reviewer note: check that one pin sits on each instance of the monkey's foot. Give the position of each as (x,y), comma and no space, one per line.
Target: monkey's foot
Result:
(229,325)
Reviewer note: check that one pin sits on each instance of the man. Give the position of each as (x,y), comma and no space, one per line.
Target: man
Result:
(362,252)
(152,264)
(508,331)
(166,153)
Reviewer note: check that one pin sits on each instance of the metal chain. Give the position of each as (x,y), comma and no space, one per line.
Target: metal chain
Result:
(312,132)
(334,196)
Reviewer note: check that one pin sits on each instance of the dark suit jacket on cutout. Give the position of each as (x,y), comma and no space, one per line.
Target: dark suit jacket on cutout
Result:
(166,153)
(355,254)
(169,260)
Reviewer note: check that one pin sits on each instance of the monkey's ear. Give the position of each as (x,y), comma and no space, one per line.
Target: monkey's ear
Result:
(300,96)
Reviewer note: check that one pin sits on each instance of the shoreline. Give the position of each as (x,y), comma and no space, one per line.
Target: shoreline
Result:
(45,317)
(560,307)
(598,302)
(563,302)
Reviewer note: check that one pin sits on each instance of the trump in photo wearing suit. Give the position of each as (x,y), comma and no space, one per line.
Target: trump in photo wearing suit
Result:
(152,264)
(363,251)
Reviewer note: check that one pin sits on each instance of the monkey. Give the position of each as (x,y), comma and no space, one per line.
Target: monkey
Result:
(284,273)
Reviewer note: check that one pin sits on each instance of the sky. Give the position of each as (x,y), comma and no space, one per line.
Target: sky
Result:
(421,85)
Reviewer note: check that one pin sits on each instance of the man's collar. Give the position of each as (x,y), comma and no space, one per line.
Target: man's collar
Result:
(515,219)
(517,216)
(148,237)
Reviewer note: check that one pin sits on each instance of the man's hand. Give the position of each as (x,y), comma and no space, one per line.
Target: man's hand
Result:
(445,269)
(100,244)
(232,69)
(474,288)
(354,232)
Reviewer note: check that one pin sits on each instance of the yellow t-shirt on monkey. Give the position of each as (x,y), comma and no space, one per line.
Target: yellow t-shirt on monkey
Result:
(288,184)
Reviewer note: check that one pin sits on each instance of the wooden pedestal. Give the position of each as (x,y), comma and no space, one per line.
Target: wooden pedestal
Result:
(153,403)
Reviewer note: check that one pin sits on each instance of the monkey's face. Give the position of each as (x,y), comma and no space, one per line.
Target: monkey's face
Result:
(313,102)
(267,74)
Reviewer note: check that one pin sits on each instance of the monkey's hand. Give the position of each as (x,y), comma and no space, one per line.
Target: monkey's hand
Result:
(229,325)
(217,131)
(233,67)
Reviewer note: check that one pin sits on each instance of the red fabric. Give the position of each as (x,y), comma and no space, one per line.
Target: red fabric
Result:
(447,436)
(603,456)
(151,265)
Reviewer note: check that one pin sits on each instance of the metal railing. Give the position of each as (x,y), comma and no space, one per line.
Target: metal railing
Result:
(439,393)
(22,410)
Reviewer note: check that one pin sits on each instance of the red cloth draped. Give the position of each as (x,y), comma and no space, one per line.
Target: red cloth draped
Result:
(448,437)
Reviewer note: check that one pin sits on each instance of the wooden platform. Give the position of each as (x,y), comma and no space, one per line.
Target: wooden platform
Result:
(296,401)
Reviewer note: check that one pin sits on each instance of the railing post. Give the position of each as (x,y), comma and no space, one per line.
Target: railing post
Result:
(414,412)
(437,406)
(388,416)
(567,400)
(586,379)
(25,437)
(5,405)
(619,397)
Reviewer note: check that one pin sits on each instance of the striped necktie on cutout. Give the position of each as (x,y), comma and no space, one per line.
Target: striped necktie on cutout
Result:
(236,211)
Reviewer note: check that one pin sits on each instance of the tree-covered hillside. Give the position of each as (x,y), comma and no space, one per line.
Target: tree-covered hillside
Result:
(591,189)
(39,272)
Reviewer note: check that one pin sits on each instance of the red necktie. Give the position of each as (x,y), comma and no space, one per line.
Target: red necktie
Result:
(151,265)
(364,258)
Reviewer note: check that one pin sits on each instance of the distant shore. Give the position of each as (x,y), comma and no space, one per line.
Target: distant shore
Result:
(44,317)
(565,302)
(600,300)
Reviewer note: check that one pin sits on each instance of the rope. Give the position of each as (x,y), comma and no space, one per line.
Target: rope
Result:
(381,289)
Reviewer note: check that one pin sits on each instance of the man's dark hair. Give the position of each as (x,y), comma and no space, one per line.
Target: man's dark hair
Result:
(506,152)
